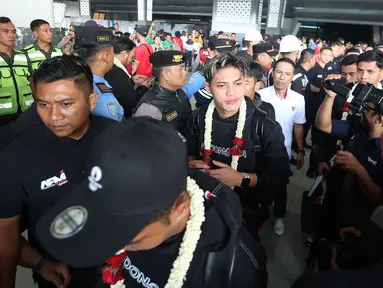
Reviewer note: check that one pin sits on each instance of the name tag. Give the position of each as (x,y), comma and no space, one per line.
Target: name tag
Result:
(171,116)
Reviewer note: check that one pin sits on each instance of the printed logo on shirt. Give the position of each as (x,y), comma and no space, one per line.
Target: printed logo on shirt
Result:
(373,162)
(137,275)
(112,108)
(191,80)
(54,181)
(94,179)
(224,151)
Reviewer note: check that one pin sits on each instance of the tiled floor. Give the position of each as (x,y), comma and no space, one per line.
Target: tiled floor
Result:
(286,254)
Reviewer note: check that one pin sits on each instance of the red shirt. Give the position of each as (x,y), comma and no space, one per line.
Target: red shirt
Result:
(178,42)
(203,54)
(143,52)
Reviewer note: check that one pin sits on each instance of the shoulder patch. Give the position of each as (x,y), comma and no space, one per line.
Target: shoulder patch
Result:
(112,109)
(171,116)
(103,88)
(191,80)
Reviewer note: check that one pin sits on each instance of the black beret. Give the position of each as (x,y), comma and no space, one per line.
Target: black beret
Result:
(167,58)
(221,45)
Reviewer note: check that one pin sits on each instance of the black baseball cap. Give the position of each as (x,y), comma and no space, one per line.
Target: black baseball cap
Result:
(167,58)
(267,48)
(136,170)
(142,30)
(221,45)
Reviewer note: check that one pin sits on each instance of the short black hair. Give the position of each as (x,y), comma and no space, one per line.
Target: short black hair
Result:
(177,34)
(284,60)
(65,67)
(167,34)
(123,44)
(372,56)
(4,20)
(352,50)
(349,60)
(255,71)
(234,33)
(325,48)
(220,33)
(35,24)
(88,51)
(306,55)
(336,43)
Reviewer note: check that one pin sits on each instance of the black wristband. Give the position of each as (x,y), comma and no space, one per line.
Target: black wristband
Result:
(39,266)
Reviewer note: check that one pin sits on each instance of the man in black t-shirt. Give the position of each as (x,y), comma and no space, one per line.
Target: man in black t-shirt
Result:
(43,165)
(234,142)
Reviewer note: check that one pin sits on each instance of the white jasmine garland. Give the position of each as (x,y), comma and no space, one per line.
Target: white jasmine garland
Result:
(238,132)
(190,239)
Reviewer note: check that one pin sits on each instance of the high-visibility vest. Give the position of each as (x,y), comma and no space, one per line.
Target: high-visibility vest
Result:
(36,56)
(15,90)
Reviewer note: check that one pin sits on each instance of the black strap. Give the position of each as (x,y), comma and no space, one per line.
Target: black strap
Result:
(150,53)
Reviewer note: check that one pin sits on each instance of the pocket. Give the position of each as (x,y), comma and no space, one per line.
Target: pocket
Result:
(6,80)
(21,76)
(7,104)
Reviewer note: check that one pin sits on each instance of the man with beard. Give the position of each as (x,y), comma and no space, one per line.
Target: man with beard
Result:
(42,49)
(166,100)
(258,157)
(43,165)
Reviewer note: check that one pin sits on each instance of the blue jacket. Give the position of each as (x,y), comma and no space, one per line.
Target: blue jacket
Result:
(195,83)
(107,104)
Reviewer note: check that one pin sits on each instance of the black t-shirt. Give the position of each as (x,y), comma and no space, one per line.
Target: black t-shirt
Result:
(123,89)
(39,168)
(300,81)
(151,268)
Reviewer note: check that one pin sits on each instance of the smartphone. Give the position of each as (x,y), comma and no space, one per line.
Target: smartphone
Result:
(152,79)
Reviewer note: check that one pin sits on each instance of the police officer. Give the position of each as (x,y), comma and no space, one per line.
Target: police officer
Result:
(45,164)
(264,54)
(100,59)
(15,91)
(166,100)
(196,82)
(42,49)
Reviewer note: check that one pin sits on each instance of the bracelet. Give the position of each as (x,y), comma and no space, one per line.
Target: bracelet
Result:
(302,151)
(39,266)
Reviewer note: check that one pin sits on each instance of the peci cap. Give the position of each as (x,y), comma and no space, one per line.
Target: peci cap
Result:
(167,58)
(267,48)
(142,30)
(136,170)
(221,45)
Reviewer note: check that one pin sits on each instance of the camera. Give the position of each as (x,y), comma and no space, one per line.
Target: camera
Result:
(361,95)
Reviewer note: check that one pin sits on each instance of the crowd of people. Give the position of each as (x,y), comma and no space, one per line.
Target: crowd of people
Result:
(128,173)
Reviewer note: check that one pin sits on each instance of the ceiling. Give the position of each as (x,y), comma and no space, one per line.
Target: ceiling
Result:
(369,12)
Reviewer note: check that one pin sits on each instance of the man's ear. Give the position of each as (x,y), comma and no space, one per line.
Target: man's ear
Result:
(180,211)
(207,87)
(257,86)
(93,97)
(35,33)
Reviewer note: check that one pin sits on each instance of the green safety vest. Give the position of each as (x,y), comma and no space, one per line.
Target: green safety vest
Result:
(14,85)
(36,56)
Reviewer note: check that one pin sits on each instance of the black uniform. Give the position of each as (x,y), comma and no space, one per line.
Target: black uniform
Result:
(264,106)
(264,153)
(333,67)
(173,106)
(37,170)
(300,81)
(170,106)
(123,89)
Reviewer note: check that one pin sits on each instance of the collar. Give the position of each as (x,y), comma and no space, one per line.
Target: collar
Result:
(37,47)
(4,55)
(275,93)
(119,65)
(97,79)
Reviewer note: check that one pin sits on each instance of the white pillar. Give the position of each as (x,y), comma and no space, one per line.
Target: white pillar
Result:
(144,11)
(237,16)
(22,12)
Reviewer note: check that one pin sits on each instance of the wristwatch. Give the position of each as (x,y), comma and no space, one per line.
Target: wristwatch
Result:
(245,181)
(39,266)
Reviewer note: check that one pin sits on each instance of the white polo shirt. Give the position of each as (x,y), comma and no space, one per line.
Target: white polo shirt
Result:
(288,111)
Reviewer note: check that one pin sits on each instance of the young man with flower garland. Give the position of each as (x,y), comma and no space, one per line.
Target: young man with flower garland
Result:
(233,141)
(166,221)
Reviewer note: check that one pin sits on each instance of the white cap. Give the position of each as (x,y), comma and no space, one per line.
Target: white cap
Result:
(289,43)
(253,35)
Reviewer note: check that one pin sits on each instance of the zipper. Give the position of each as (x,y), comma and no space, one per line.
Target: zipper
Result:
(16,87)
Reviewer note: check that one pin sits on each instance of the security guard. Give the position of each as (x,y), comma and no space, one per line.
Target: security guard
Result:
(196,82)
(15,91)
(166,100)
(333,67)
(300,82)
(42,49)
(100,56)
(45,164)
